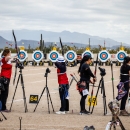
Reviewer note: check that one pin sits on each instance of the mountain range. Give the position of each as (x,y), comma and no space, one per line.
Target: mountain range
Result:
(32,37)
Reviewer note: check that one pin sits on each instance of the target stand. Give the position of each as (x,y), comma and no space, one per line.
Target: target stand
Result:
(22,56)
(71,56)
(37,57)
(103,56)
(53,55)
(120,57)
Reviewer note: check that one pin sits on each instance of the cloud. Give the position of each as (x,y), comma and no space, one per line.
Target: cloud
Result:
(95,17)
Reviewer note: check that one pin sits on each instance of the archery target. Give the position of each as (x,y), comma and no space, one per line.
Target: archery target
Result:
(87,53)
(121,55)
(70,56)
(53,55)
(22,56)
(103,56)
(37,56)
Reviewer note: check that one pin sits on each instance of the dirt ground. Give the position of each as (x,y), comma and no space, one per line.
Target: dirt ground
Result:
(34,82)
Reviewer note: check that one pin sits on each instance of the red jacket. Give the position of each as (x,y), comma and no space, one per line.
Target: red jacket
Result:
(6,68)
(61,73)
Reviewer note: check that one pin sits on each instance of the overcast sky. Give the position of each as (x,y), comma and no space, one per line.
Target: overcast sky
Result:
(104,18)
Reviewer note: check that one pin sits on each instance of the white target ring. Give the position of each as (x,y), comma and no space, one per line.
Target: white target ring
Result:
(0,55)
(103,56)
(22,56)
(37,56)
(53,55)
(121,55)
(70,56)
(87,53)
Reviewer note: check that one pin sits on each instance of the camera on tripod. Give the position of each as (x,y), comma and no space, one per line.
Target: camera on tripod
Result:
(102,71)
(19,64)
(47,71)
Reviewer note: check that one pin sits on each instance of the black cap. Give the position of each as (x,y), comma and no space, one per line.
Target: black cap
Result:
(87,57)
(127,59)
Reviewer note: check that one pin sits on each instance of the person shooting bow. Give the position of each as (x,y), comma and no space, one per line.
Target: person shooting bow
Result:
(6,71)
(85,75)
(63,85)
(124,78)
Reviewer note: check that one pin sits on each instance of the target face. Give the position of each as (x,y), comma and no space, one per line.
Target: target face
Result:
(37,56)
(87,53)
(70,56)
(121,55)
(53,56)
(103,56)
(22,55)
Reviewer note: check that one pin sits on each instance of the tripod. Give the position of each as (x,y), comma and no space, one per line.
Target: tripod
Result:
(48,93)
(20,78)
(101,85)
(114,108)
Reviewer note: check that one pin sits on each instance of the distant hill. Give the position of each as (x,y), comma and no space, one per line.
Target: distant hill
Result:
(32,37)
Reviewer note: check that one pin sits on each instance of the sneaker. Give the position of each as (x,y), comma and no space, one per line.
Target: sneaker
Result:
(6,110)
(124,113)
(67,111)
(60,112)
(85,112)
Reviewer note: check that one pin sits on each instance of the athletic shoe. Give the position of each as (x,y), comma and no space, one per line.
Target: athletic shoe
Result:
(67,111)
(60,112)
(85,112)
(124,113)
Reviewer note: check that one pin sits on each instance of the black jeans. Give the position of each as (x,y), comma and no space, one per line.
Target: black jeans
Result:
(4,95)
(83,99)
(63,91)
(124,99)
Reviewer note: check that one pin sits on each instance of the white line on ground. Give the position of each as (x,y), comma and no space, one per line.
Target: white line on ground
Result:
(18,100)
(34,82)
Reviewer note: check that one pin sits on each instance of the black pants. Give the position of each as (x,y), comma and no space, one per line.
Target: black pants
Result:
(124,99)
(64,102)
(83,99)
(4,95)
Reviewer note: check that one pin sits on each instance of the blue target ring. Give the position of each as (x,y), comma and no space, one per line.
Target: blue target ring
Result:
(70,56)
(121,56)
(22,55)
(104,56)
(37,55)
(53,56)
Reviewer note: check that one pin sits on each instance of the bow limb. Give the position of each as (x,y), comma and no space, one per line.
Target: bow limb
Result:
(95,72)
(62,47)
(17,55)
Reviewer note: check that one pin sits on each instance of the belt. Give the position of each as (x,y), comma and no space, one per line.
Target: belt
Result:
(124,74)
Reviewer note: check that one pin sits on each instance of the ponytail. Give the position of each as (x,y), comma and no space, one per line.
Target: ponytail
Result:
(85,58)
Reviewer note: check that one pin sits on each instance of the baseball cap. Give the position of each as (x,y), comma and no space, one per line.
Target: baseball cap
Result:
(60,59)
